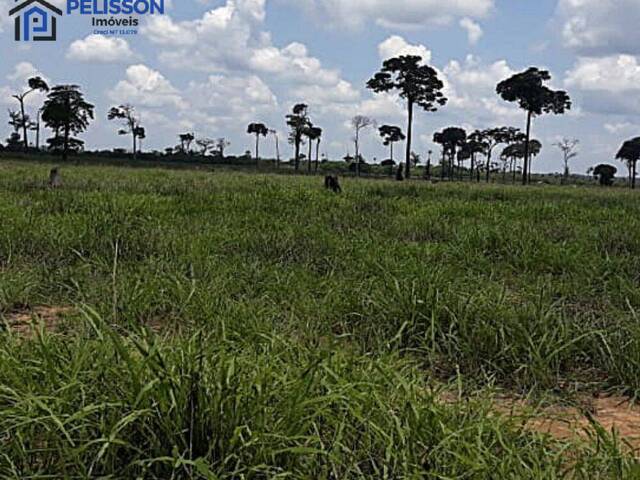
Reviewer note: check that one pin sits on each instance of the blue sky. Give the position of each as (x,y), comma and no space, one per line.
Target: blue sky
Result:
(213,66)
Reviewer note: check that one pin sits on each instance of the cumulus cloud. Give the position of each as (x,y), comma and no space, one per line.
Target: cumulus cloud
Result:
(100,49)
(229,39)
(396,14)
(600,26)
(474,31)
(616,73)
(146,87)
(608,85)
(396,45)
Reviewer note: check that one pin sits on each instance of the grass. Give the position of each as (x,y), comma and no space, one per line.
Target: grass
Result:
(230,325)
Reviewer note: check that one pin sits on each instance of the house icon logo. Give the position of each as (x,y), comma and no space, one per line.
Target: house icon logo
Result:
(35,20)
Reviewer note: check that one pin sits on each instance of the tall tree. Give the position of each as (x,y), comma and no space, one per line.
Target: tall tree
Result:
(469,151)
(221,145)
(35,84)
(568,148)
(257,129)
(451,139)
(67,113)
(186,139)
(131,123)
(316,134)
(360,123)
(630,153)
(605,174)
(206,145)
(391,135)
(298,121)
(493,137)
(528,89)
(417,83)
(275,134)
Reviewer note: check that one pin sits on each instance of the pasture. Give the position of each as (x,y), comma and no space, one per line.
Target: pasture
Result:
(226,325)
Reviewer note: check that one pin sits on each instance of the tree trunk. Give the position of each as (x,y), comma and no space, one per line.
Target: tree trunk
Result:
(525,171)
(473,165)
(24,126)
(65,146)
(135,148)
(297,153)
(277,152)
(489,152)
(633,179)
(409,134)
(357,152)
(444,161)
(257,149)
(309,159)
(38,132)
(317,155)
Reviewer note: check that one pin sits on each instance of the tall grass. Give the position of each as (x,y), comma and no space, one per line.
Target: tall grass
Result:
(253,326)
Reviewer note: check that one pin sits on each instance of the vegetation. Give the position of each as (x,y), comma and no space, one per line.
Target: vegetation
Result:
(417,83)
(528,90)
(229,325)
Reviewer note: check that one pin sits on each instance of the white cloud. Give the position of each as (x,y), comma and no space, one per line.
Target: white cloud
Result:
(146,87)
(395,46)
(608,85)
(617,73)
(600,26)
(100,49)
(396,14)
(22,72)
(474,31)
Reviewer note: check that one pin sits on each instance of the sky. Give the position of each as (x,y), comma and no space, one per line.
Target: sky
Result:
(213,66)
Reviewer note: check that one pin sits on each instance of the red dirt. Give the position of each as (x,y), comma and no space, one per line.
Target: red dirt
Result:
(22,322)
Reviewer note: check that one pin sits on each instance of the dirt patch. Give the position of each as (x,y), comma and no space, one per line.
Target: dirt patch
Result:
(22,322)
(614,414)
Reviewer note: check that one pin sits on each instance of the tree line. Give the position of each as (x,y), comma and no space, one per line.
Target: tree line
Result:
(463,154)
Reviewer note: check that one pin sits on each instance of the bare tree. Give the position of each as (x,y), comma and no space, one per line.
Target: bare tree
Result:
(127,114)
(568,148)
(36,84)
(360,123)
(275,134)
(221,145)
(206,145)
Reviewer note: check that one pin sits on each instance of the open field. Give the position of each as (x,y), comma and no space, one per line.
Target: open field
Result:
(227,325)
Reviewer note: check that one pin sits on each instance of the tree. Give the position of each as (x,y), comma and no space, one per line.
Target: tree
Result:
(605,174)
(298,121)
(275,134)
(359,123)
(451,139)
(131,123)
(35,84)
(469,150)
(391,135)
(528,90)
(630,153)
(316,134)
(257,129)
(66,111)
(140,134)
(185,142)
(518,151)
(221,145)
(416,83)
(494,137)
(206,145)
(568,148)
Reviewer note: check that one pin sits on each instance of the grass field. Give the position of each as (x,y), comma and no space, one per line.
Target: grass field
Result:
(226,325)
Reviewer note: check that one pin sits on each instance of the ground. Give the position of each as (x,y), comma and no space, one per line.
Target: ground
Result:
(184,324)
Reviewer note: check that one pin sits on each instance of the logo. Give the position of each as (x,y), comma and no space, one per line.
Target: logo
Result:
(35,20)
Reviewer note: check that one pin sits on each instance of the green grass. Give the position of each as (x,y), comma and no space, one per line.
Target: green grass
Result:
(303,334)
